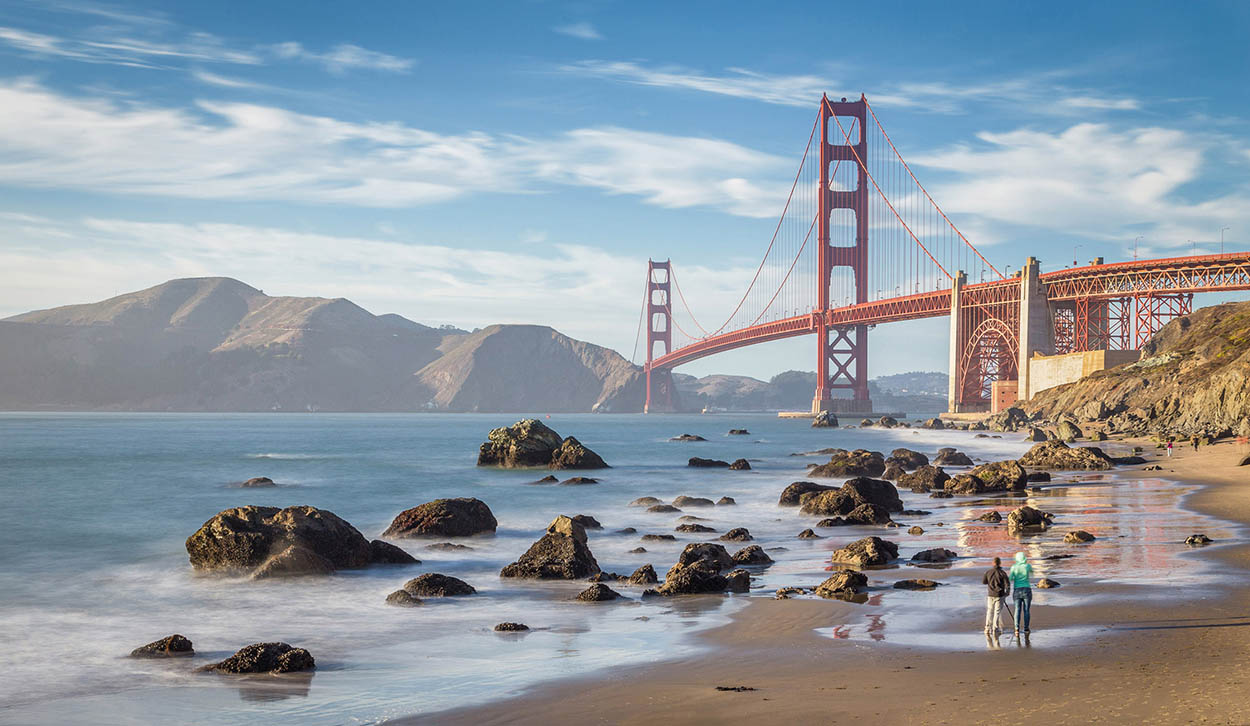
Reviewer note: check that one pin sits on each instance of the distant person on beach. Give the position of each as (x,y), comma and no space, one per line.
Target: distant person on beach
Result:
(1021,593)
(1169,448)
(1195,440)
(996,587)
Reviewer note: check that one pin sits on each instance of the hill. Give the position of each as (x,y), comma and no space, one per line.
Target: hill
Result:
(1192,379)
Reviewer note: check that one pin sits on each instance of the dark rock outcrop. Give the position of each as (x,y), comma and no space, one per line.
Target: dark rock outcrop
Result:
(433,584)
(658,538)
(265,658)
(936,424)
(688,437)
(170,645)
(385,553)
(1001,476)
(245,538)
(1012,419)
(852,494)
(645,502)
(579,481)
(1056,455)
(907,459)
(916,585)
(738,581)
(598,592)
(825,420)
(924,479)
(809,534)
(460,517)
(530,442)
(893,472)
(644,575)
(752,555)
(935,555)
(792,495)
(737,534)
(662,509)
(950,457)
(851,463)
(713,554)
(866,552)
(725,501)
(740,465)
(701,463)
(294,561)
(586,521)
(561,553)
(1025,519)
(692,578)
(1079,536)
(403,599)
(511,628)
(993,517)
(1196,540)
(739,432)
(1047,584)
(692,528)
(687,501)
(258,481)
(841,584)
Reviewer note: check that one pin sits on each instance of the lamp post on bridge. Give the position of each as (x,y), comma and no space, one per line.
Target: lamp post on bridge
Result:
(1222,239)
(1074,249)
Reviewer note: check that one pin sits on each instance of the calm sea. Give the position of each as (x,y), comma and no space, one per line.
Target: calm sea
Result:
(97,508)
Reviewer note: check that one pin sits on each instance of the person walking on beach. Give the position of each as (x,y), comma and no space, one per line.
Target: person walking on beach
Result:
(1195,440)
(996,587)
(1169,448)
(1021,593)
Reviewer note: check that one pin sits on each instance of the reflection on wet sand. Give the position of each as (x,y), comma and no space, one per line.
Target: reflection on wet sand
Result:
(267,688)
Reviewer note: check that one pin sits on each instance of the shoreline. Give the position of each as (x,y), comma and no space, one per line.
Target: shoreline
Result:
(800,675)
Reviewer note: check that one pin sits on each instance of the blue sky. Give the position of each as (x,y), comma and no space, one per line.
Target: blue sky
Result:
(471,163)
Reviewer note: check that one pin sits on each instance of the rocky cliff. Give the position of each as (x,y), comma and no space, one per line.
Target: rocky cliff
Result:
(1193,378)
(217,344)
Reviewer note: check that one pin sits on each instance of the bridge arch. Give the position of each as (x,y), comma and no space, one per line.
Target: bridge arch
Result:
(990,354)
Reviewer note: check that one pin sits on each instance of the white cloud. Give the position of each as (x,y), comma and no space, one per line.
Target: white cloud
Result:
(582,30)
(801,90)
(215,79)
(345,57)
(199,47)
(1089,180)
(219,150)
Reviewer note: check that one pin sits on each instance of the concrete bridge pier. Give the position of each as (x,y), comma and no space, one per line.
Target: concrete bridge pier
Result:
(1037,324)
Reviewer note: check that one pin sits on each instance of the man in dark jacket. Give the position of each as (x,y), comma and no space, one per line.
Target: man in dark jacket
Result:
(997,586)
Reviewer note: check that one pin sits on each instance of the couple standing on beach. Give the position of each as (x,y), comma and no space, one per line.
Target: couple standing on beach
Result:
(997,583)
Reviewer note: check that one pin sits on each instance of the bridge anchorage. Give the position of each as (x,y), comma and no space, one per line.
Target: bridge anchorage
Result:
(823,274)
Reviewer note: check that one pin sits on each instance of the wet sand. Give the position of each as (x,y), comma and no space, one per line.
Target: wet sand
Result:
(1135,654)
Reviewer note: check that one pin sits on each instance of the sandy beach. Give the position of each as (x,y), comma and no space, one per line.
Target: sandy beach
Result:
(1139,654)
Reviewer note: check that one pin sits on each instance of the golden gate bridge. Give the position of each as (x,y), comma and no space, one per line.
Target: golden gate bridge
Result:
(861,242)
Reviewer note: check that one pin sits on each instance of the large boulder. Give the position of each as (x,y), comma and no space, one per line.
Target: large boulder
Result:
(866,552)
(644,575)
(791,496)
(737,534)
(530,442)
(692,578)
(1068,431)
(950,457)
(1026,519)
(385,553)
(1012,419)
(598,592)
(714,555)
(433,584)
(561,553)
(841,584)
(460,517)
(924,479)
(738,580)
(1057,455)
(701,463)
(907,459)
(936,424)
(892,471)
(243,539)
(170,645)
(887,422)
(294,561)
(688,501)
(1001,476)
(851,463)
(265,658)
(752,555)
(825,420)
(935,555)
(852,494)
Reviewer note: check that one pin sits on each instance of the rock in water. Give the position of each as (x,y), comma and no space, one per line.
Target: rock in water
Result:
(511,628)
(644,575)
(936,424)
(688,437)
(935,555)
(851,495)
(993,517)
(924,479)
(258,481)
(866,552)
(385,553)
(739,432)
(893,472)
(561,553)
(461,517)
(598,592)
(294,561)
(738,581)
(531,443)
(685,501)
(792,495)
(737,534)
(1079,536)
(842,584)
(950,457)
(586,521)
(244,538)
(825,420)
(699,462)
(170,645)
(1058,455)
(579,480)
(851,463)
(809,534)
(752,555)
(403,599)
(916,585)
(692,528)
(725,501)
(1197,540)
(712,554)
(740,465)
(1001,476)
(916,531)
(1046,583)
(691,579)
(433,584)
(907,459)
(645,502)
(1036,434)
(265,658)
(1028,519)
(1012,419)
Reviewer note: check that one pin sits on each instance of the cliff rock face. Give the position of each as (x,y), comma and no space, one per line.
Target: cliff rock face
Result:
(1193,378)
(216,344)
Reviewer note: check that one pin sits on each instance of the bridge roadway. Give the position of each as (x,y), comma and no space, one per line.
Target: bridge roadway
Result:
(1194,274)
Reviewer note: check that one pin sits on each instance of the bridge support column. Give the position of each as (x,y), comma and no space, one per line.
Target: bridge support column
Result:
(956,342)
(659,306)
(1037,326)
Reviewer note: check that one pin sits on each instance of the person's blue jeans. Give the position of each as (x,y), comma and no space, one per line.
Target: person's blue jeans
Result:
(1023,597)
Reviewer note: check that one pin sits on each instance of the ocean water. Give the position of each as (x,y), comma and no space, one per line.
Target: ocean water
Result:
(98,507)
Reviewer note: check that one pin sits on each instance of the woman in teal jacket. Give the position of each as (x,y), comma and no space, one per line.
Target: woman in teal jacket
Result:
(1021,593)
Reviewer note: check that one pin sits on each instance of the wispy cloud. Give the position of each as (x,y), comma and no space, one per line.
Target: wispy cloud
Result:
(214,79)
(582,30)
(345,57)
(1043,93)
(217,150)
